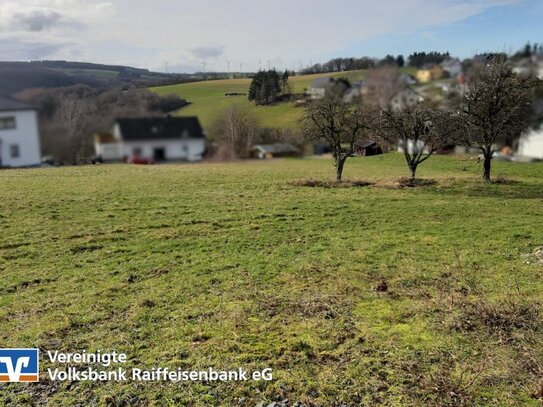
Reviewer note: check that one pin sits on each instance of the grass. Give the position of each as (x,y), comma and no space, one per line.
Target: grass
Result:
(230,265)
(208,99)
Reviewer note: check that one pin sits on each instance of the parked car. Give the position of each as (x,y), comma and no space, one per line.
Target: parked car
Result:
(138,159)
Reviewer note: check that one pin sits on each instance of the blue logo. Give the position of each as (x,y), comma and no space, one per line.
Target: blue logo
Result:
(19,365)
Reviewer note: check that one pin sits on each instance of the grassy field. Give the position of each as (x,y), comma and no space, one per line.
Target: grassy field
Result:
(208,99)
(98,73)
(230,265)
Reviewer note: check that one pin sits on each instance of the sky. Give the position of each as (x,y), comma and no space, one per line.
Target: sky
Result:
(182,35)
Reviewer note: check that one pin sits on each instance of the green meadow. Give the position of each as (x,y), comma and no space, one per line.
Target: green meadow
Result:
(377,295)
(208,99)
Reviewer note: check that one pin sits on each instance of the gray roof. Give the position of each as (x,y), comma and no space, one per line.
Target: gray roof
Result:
(451,62)
(321,83)
(10,104)
(365,143)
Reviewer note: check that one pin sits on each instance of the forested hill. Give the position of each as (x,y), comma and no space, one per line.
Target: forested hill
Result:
(18,76)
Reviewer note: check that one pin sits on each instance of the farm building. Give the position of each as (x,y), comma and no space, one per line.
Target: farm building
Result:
(156,139)
(366,148)
(268,151)
(19,134)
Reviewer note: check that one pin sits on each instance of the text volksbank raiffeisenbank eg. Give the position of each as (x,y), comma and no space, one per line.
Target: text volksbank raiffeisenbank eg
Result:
(99,366)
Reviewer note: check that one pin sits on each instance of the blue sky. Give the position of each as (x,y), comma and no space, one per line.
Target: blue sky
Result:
(504,28)
(183,34)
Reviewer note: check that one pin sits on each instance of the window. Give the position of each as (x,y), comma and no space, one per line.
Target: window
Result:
(14,151)
(7,123)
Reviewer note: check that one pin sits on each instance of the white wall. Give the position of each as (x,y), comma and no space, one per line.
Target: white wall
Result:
(184,149)
(108,151)
(531,144)
(25,135)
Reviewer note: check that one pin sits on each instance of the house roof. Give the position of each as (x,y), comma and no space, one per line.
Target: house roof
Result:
(9,104)
(450,62)
(153,128)
(276,148)
(321,83)
(365,143)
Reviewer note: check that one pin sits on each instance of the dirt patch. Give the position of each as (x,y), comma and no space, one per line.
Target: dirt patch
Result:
(314,183)
(414,183)
(502,318)
(505,181)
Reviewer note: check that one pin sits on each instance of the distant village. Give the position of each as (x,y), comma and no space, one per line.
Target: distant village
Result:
(166,137)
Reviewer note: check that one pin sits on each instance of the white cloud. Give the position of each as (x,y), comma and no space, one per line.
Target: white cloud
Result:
(185,33)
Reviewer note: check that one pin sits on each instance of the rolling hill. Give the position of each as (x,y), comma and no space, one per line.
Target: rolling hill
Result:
(18,76)
(208,98)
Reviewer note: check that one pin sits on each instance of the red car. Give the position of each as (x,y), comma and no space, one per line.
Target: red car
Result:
(137,159)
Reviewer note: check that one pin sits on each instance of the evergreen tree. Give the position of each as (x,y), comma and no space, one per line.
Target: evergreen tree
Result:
(267,86)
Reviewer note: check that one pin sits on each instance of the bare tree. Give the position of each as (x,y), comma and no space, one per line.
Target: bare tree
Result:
(496,107)
(419,133)
(235,130)
(339,123)
(382,86)
(72,115)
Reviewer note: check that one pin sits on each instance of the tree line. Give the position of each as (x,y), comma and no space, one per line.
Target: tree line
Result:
(416,59)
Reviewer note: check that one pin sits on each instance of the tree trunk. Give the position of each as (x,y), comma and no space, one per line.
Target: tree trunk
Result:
(339,169)
(487,165)
(413,169)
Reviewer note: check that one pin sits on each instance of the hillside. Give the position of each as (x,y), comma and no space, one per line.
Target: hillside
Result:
(208,98)
(18,76)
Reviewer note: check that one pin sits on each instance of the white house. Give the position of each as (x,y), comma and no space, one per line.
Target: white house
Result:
(452,66)
(318,87)
(155,139)
(19,134)
(530,144)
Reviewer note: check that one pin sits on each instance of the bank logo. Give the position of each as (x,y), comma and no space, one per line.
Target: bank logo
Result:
(19,365)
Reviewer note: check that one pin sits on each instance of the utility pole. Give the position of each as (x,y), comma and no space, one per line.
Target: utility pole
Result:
(259,64)
(241,69)
(166,66)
